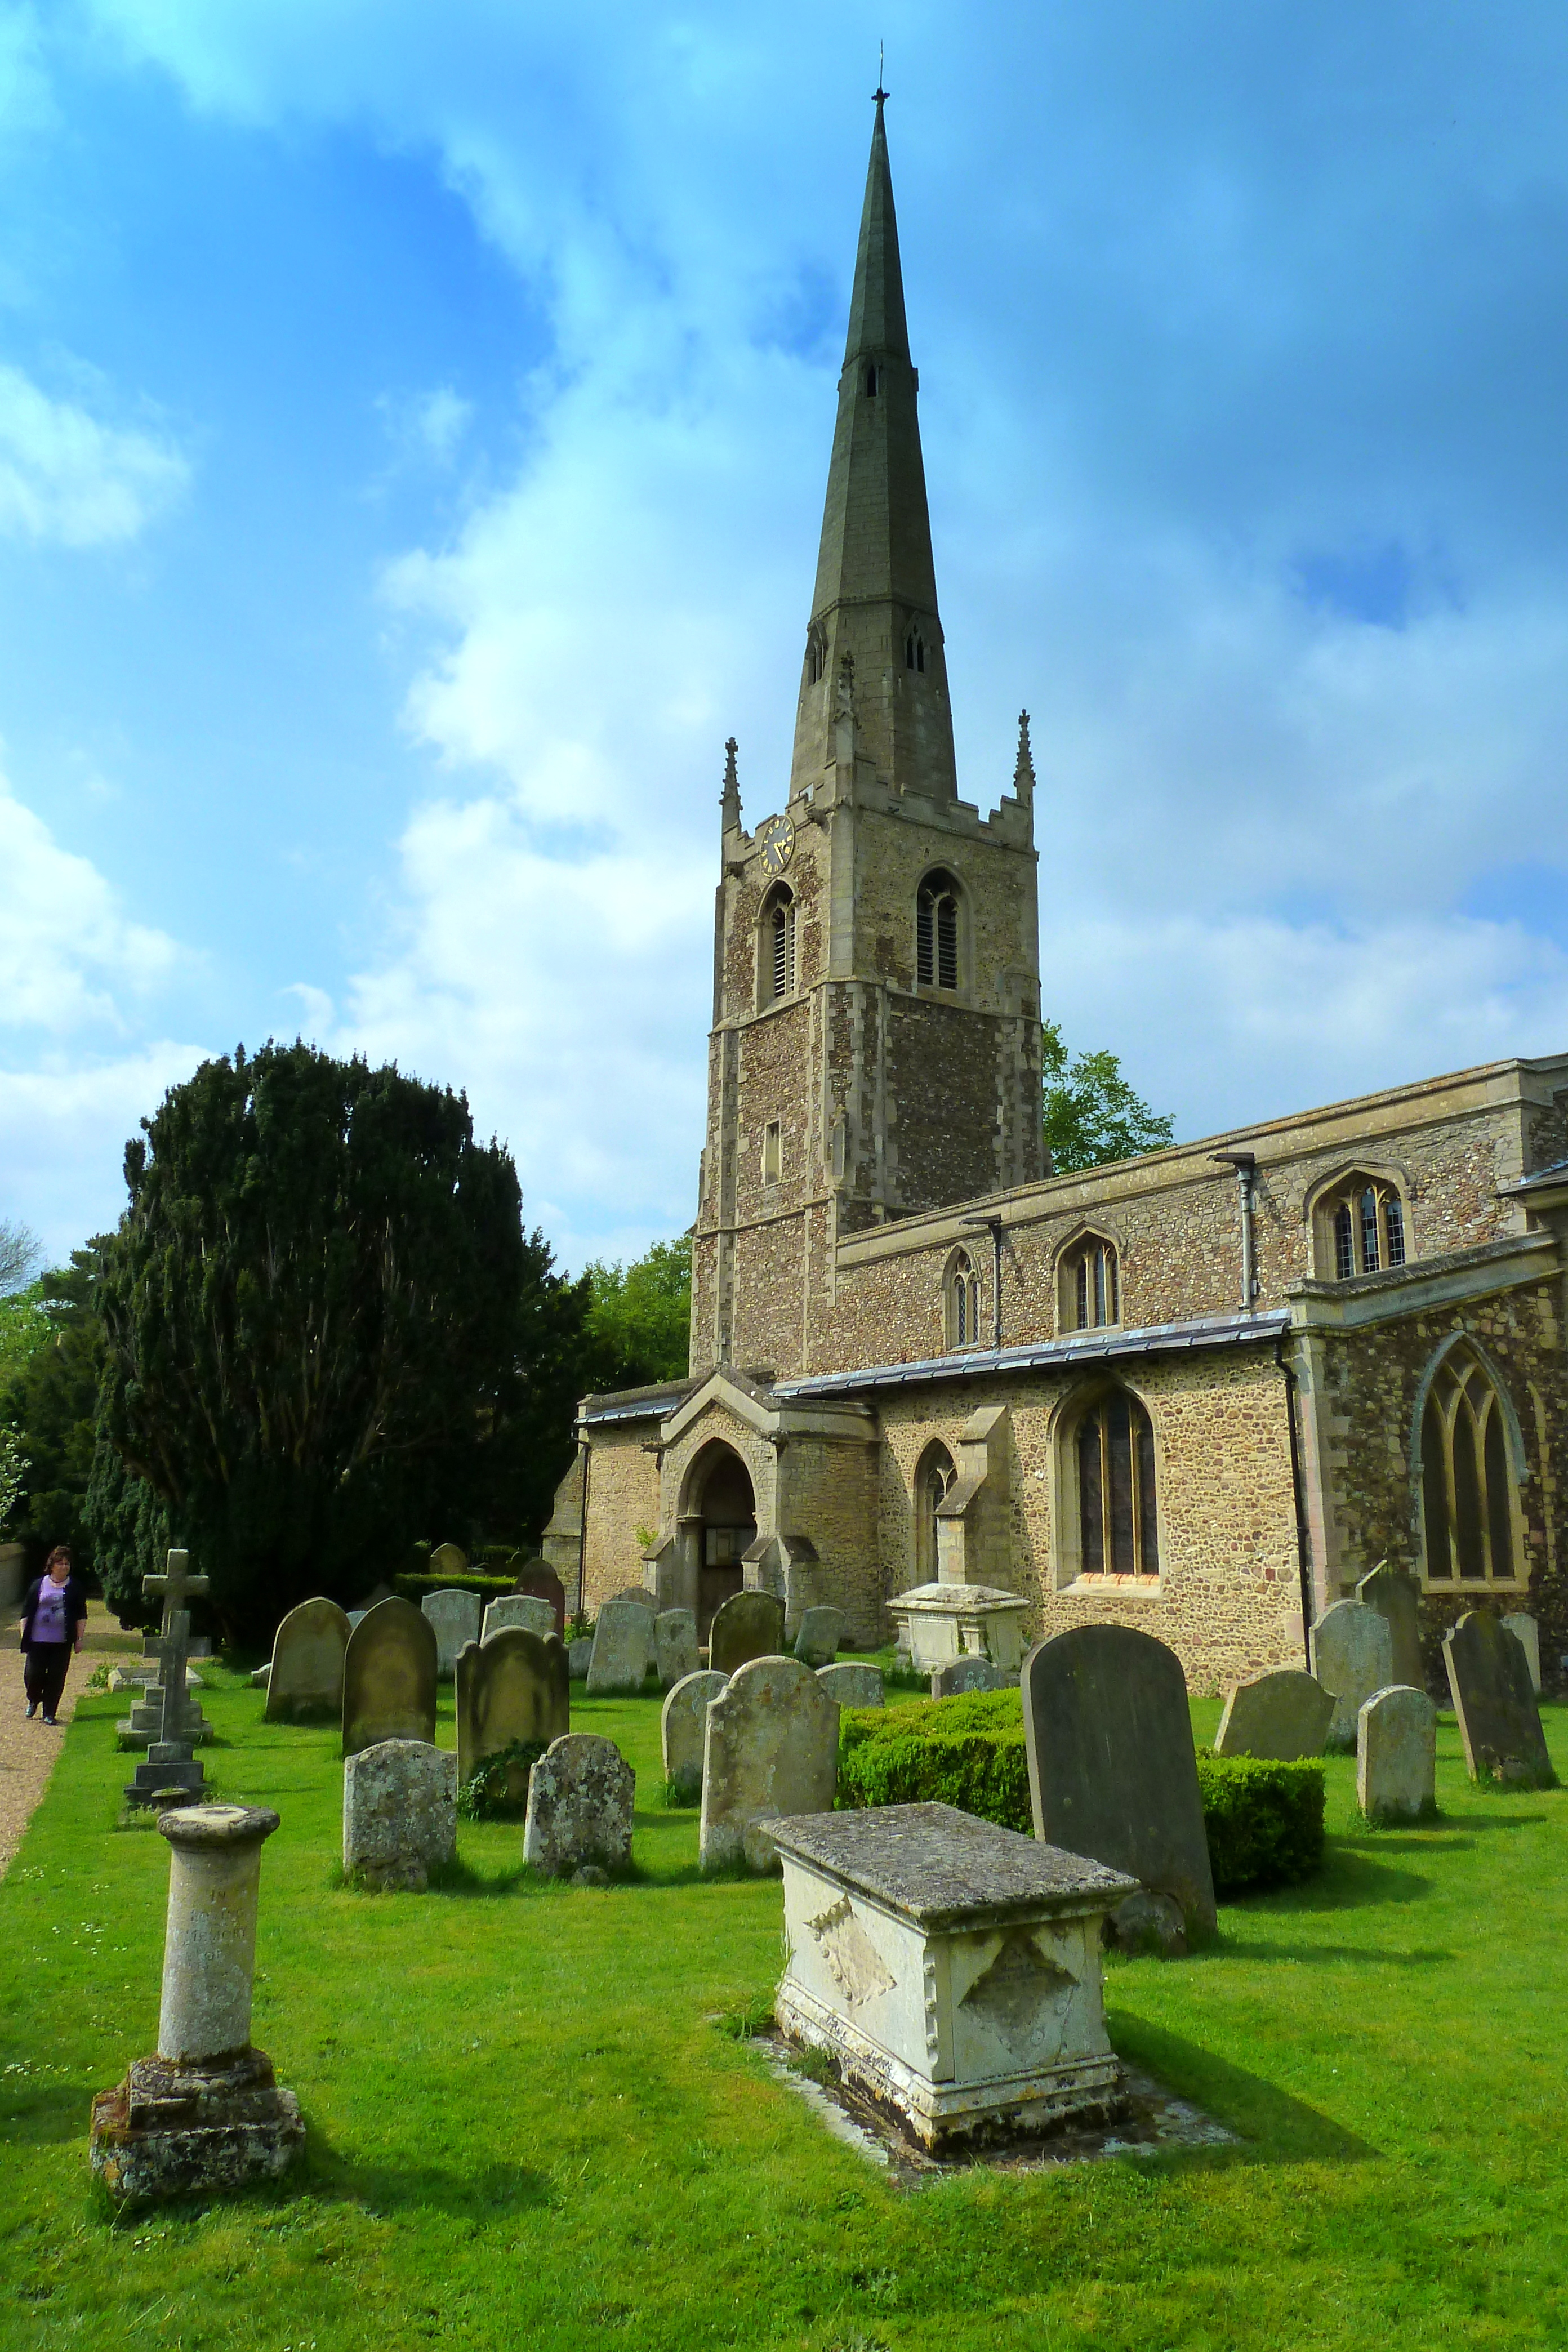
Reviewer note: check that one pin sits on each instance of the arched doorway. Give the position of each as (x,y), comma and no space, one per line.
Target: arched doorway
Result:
(934,1476)
(724,1507)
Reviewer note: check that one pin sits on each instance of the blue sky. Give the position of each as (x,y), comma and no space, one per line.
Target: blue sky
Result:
(413,429)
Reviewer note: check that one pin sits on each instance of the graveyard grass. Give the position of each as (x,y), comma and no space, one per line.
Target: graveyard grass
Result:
(528,2130)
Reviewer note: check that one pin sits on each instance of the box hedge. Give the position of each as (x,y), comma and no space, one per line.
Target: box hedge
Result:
(1264,1821)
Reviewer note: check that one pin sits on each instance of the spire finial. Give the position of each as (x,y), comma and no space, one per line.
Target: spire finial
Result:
(1024,773)
(880,94)
(730,798)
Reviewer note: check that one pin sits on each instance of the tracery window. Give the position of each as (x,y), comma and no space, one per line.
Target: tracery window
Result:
(778,975)
(1118,1522)
(933,1480)
(1090,1285)
(1469,1502)
(936,931)
(962,1301)
(1360,1226)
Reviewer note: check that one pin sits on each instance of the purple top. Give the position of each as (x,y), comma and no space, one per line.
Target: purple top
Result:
(50,1617)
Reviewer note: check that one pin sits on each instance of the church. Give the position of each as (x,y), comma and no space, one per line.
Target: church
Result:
(973,1403)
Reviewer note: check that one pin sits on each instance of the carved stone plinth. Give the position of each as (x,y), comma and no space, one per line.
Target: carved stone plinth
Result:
(190,2131)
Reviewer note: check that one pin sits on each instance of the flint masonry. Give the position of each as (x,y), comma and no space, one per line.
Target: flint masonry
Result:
(1200,1392)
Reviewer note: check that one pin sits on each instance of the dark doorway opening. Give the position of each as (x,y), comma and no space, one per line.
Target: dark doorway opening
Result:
(729,1526)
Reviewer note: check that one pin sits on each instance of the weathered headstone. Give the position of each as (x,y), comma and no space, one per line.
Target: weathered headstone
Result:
(259,1676)
(1352,1656)
(448,1560)
(400,1814)
(514,1687)
(675,1645)
(638,1593)
(623,1648)
(389,1677)
(1396,1755)
(522,1609)
(1527,1633)
(772,1747)
(307,1677)
(1112,1769)
(453,1616)
(1499,1721)
(1280,1717)
(853,1683)
(580,1657)
(1397,1597)
(748,1625)
(538,1580)
(171,1751)
(581,1797)
(822,1630)
(682,1727)
(961,1675)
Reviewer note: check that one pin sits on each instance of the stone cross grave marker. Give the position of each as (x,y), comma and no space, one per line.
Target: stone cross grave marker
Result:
(1397,1597)
(748,1625)
(772,1747)
(389,1677)
(171,1756)
(1352,1656)
(683,1729)
(176,1586)
(306,1674)
(513,1688)
(1499,1721)
(1113,1773)
(1277,1718)
(1397,1755)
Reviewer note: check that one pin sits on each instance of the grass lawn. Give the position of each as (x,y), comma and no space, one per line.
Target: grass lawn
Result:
(526,2129)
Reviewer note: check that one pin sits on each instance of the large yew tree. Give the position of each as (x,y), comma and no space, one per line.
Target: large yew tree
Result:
(315,1314)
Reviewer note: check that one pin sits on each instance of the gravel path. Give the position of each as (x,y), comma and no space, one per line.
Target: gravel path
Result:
(27,1750)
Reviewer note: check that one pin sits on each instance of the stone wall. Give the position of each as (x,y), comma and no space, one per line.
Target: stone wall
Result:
(623,1495)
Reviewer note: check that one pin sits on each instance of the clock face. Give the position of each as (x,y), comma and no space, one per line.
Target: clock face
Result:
(776,839)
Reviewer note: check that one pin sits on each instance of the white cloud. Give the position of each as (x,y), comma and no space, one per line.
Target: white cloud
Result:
(67,477)
(70,961)
(63,1132)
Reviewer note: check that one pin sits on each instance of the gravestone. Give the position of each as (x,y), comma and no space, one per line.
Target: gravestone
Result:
(638,1593)
(389,1677)
(146,1722)
(1397,1597)
(514,1687)
(623,1648)
(171,1751)
(675,1645)
(961,1675)
(682,1727)
(1281,1716)
(400,1814)
(1527,1633)
(1352,1656)
(821,1631)
(748,1625)
(1397,1755)
(1499,1721)
(454,1617)
(538,1581)
(523,1609)
(581,1796)
(580,1657)
(1113,1773)
(772,1747)
(853,1683)
(307,1676)
(448,1560)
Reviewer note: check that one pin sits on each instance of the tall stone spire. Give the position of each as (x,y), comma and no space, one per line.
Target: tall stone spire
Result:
(876,581)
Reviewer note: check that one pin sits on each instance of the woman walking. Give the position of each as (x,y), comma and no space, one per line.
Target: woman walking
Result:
(53,1615)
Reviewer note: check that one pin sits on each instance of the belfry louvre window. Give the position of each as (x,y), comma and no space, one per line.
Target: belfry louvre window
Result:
(1365,1220)
(1466,1478)
(1118,1526)
(962,1301)
(936,932)
(781,944)
(1091,1289)
(914,651)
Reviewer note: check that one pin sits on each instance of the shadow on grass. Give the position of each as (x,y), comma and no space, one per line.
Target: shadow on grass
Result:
(49,2115)
(1349,1880)
(474,2193)
(1305,1956)
(1275,2128)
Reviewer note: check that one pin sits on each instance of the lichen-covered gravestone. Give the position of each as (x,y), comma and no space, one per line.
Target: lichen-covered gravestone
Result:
(1352,1656)
(682,1727)
(581,1796)
(961,1675)
(853,1683)
(448,1560)
(522,1609)
(1499,1721)
(307,1676)
(1279,1717)
(1113,1773)
(515,1686)
(400,1814)
(1527,1633)
(1397,1755)
(748,1625)
(1397,1597)
(389,1677)
(772,1747)
(454,1617)
(623,1648)
(580,1657)
(821,1631)
(675,1645)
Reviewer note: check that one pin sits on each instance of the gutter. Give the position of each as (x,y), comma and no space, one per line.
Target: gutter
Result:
(1051,1355)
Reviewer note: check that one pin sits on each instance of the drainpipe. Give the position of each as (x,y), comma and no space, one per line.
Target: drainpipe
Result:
(582,1530)
(1246,1167)
(1304,1541)
(993,1225)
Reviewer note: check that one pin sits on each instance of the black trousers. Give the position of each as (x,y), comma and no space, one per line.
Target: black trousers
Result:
(45,1673)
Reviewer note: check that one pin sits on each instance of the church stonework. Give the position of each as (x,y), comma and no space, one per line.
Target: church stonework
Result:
(1200,1393)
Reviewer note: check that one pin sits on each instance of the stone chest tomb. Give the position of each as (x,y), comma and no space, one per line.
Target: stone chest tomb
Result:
(951,1968)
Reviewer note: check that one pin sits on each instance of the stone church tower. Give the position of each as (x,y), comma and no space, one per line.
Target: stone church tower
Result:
(875,1048)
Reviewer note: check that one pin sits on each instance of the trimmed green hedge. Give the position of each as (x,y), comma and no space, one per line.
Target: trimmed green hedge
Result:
(489,1588)
(1264,1821)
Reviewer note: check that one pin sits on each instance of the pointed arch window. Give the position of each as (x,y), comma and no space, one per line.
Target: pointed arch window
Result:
(1360,1228)
(777,957)
(1113,1467)
(873,379)
(936,931)
(816,656)
(915,651)
(1090,1285)
(934,1483)
(962,1301)
(1469,1503)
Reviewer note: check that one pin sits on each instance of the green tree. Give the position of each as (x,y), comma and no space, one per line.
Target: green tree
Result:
(638,1326)
(1092,1115)
(48,1394)
(314,1327)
